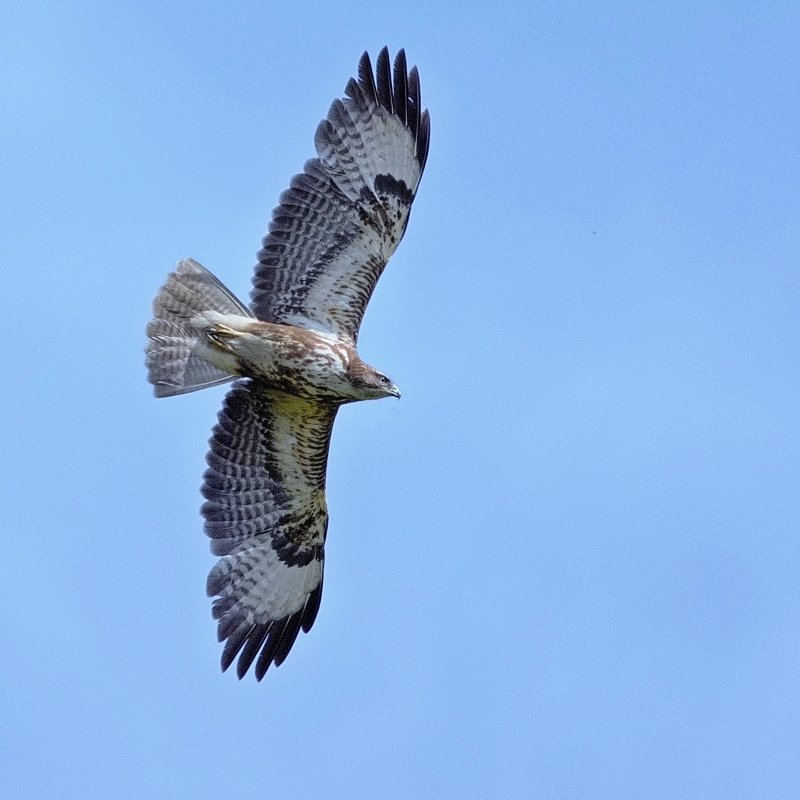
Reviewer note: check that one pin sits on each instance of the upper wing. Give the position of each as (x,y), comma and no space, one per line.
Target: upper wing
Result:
(266,514)
(344,215)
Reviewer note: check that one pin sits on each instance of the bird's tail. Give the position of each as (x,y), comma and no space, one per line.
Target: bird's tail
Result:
(173,363)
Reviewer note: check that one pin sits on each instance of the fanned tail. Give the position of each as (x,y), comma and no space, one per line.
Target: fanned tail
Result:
(173,366)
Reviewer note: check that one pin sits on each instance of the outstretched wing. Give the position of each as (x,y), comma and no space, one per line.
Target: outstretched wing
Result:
(266,514)
(344,215)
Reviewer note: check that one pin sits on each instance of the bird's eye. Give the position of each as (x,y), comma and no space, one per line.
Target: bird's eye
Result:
(383,379)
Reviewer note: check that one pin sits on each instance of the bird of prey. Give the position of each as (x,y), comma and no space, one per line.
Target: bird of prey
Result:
(293,356)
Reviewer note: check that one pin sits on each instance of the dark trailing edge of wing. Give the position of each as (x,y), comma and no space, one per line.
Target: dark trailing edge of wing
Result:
(274,640)
(401,97)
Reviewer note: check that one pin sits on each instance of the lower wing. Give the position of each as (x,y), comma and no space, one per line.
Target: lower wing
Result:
(266,514)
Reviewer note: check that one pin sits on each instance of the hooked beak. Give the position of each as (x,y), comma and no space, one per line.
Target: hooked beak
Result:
(394,392)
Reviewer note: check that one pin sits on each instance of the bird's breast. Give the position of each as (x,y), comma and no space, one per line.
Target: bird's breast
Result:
(303,362)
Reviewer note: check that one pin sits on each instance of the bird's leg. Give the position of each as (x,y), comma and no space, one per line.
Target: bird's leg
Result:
(221,337)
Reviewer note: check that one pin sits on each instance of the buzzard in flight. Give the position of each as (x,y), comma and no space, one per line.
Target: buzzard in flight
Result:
(294,353)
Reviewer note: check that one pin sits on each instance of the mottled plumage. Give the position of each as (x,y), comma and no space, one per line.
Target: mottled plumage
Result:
(295,354)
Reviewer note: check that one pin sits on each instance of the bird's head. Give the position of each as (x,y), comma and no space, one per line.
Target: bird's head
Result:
(371,384)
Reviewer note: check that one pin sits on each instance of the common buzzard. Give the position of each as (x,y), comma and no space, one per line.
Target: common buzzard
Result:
(294,351)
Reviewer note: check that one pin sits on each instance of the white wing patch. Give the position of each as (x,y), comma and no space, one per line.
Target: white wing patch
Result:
(262,586)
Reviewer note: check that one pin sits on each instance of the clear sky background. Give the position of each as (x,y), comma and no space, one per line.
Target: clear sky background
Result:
(566,564)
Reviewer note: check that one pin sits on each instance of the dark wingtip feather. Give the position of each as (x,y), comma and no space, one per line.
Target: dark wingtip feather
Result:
(414,100)
(401,96)
(366,77)
(354,90)
(424,139)
(232,647)
(312,607)
(268,652)
(384,76)
(401,86)
(288,638)
(274,639)
(251,648)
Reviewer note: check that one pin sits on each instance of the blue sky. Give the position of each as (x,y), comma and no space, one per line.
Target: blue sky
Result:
(566,564)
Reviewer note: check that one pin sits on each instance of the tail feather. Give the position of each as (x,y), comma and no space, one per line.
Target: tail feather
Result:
(173,366)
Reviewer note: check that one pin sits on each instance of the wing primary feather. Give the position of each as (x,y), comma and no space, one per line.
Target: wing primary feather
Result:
(424,139)
(354,91)
(401,86)
(234,645)
(366,78)
(250,650)
(288,638)
(384,80)
(312,607)
(271,645)
(227,626)
(414,103)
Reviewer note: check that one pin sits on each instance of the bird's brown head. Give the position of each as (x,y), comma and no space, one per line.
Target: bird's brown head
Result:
(370,383)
